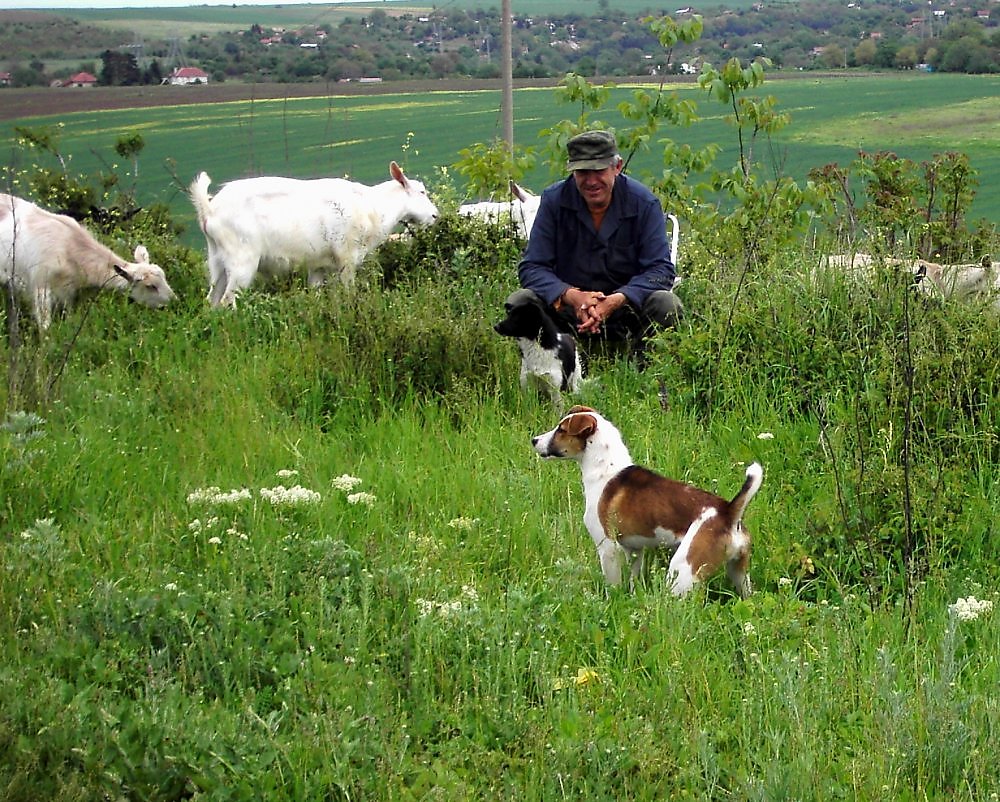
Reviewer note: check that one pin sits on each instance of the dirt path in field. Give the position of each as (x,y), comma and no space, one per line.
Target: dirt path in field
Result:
(16,104)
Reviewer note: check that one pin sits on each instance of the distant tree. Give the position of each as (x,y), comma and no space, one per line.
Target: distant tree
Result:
(864,53)
(586,66)
(120,69)
(153,74)
(906,57)
(967,54)
(885,53)
(26,76)
(834,56)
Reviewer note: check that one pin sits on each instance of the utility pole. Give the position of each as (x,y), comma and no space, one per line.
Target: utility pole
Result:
(507,71)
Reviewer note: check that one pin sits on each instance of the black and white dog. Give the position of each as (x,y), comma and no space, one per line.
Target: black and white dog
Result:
(550,360)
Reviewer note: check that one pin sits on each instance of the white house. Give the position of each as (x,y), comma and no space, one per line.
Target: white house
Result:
(182,76)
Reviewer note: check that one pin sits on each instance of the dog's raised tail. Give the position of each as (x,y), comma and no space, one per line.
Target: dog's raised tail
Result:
(755,476)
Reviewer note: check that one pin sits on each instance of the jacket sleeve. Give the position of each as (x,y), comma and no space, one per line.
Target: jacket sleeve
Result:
(537,268)
(652,267)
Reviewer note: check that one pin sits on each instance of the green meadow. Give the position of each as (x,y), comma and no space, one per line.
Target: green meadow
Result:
(831,120)
(303,549)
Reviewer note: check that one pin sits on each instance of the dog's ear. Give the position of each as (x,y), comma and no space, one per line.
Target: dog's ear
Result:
(578,408)
(580,424)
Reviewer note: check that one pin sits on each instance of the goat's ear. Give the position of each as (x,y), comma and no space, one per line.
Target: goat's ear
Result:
(516,191)
(397,173)
(121,271)
(141,255)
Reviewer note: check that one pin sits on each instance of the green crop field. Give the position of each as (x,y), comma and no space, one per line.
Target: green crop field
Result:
(832,119)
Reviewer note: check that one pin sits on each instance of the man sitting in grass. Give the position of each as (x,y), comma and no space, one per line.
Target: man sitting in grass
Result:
(597,259)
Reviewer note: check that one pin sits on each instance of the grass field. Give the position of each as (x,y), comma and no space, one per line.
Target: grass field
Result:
(303,549)
(832,118)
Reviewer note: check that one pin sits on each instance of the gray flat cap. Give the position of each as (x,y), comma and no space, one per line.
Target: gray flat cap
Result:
(592,150)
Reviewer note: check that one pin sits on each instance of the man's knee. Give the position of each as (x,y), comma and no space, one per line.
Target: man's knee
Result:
(663,308)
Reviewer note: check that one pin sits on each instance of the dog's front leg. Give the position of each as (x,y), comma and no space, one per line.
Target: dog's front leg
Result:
(613,558)
(611,555)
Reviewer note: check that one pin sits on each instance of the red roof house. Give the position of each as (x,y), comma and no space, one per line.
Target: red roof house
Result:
(80,79)
(182,76)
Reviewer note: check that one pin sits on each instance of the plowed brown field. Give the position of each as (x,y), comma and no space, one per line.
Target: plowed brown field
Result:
(19,103)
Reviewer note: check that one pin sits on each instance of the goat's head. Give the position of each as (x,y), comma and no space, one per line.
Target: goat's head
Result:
(147,282)
(418,209)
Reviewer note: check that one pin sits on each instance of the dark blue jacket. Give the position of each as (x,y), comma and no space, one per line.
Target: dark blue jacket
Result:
(629,254)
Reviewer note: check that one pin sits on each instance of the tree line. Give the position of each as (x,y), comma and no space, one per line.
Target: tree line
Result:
(610,43)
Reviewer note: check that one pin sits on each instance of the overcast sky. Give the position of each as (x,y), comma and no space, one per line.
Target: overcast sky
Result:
(8,4)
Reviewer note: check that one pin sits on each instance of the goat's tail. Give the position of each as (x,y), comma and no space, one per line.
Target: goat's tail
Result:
(755,475)
(200,197)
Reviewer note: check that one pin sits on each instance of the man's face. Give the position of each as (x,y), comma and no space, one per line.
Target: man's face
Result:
(595,186)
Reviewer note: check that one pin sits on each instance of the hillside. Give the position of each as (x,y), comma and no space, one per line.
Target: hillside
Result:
(315,43)
(41,35)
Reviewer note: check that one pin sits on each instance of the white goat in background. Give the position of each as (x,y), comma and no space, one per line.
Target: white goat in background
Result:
(520,210)
(50,259)
(275,225)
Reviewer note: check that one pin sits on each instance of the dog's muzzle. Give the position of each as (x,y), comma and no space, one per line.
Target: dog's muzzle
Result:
(543,445)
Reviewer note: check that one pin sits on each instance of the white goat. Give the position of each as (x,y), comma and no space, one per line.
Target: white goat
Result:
(969,282)
(274,225)
(520,210)
(50,258)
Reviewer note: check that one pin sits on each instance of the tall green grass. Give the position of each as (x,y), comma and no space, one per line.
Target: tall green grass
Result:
(428,619)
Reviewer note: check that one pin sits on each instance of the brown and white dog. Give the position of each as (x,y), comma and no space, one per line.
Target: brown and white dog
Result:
(630,508)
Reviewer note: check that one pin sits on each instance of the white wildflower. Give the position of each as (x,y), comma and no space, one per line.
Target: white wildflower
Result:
(215,541)
(749,628)
(215,496)
(970,608)
(367,499)
(170,586)
(765,436)
(287,473)
(465,602)
(345,482)
(463,523)
(282,496)
(784,582)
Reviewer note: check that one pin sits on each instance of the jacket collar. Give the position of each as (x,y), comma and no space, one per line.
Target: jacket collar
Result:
(622,205)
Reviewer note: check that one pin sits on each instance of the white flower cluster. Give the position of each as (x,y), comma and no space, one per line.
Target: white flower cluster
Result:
(969,609)
(367,499)
(467,600)
(213,495)
(345,482)
(463,523)
(287,473)
(282,496)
